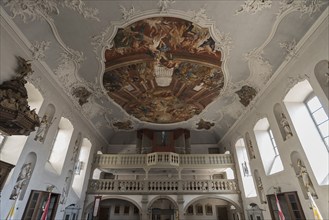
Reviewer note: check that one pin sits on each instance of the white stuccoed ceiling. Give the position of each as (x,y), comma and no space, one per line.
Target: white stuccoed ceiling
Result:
(255,37)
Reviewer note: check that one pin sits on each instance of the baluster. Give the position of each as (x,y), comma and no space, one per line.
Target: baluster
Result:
(224,185)
(105,186)
(220,185)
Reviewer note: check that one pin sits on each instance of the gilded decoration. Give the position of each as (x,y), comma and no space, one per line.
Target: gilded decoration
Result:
(16,116)
(163,70)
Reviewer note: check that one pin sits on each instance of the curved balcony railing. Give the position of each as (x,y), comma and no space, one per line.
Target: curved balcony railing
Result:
(105,186)
(161,159)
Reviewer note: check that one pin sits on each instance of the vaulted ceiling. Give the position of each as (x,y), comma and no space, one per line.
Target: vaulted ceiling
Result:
(163,64)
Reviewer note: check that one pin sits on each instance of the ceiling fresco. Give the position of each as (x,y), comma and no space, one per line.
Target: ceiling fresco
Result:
(163,70)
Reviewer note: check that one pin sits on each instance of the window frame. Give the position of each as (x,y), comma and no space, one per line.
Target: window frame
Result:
(306,101)
(273,142)
(3,141)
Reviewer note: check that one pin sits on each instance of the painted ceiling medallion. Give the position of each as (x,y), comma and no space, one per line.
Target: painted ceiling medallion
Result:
(246,94)
(82,94)
(163,70)
(123,125)
(202,124)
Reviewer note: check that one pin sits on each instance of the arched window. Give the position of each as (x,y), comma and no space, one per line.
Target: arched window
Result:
(268,148)
(190,210)
(311,124)
(229,173)
(83,159)
(61,144)
(35,98)
(246,176)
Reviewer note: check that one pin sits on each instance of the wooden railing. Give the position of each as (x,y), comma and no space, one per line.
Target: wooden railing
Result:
(105,186)
(163,159)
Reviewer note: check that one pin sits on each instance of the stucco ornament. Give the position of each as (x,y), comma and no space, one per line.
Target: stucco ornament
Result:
(165,4)
(260,68)
(304,6)
(128,13)
(289,48)
(30,10)
(254,6)
(38,49)
(199,15)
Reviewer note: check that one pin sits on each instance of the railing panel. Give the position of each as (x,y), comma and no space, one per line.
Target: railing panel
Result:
(162,159)
(162,186)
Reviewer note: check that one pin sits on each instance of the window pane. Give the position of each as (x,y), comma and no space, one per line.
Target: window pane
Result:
(320,116)
(324,129)
(314,104)
(326,140)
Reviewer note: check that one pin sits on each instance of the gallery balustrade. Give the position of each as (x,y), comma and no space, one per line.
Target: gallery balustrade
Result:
(104,186)
(163,159)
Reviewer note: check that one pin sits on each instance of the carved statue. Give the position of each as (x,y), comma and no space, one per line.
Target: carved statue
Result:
(75,150)
(22,180)
(245,168)
(285,125)
(251,150)
(303,174)
(261,190)
(43,128)
(65,190)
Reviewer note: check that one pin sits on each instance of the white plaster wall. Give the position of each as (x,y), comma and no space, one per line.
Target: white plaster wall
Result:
(14,44)
(312,51)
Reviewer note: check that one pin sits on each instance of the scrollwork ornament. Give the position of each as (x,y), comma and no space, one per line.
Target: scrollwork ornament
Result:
(38,49)
(260,68)
(80,7)
(225,43)
(304,6)
(101,41)
(290,48)
(164,5)
(254,6)
(31,10)
(199,15)
(127,14)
